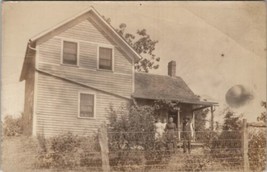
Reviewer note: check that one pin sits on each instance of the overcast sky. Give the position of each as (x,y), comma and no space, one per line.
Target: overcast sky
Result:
(216,44)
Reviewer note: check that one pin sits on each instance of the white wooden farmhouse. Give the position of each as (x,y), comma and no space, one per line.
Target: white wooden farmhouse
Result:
(75,70)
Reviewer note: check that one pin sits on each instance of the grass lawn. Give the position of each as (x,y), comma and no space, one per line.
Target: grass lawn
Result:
(18,154)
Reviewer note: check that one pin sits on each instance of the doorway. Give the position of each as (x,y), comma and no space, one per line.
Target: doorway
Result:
(174,115)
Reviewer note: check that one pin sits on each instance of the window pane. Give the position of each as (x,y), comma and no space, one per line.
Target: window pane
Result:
(86,105)
(70,53)
(105,58)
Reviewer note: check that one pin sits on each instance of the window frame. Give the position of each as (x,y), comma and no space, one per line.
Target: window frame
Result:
(78,52)
(79,104)
(112,57)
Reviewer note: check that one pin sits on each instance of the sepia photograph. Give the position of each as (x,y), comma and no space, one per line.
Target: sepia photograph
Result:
(133,86)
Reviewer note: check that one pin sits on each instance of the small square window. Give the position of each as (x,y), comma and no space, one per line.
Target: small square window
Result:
(87,105)
(70,50)
(105,58)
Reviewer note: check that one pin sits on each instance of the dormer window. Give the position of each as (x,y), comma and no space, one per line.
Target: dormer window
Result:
(70,53)
(105,57)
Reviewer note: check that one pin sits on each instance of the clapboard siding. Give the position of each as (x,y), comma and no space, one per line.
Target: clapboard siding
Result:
(88,55)
(87,30)
(89,37)
(120,84)
(50,51)
(57,97)
(58,110)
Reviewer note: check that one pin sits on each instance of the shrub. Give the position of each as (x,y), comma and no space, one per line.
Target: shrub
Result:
(194,163)
(257,150)
(12,126)
(133,127)
(67,151)
(132,137)
(225,146)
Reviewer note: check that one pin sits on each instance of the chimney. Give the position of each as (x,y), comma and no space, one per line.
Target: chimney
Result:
(172,68)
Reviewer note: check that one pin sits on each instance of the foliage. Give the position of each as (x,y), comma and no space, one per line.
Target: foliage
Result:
(12,126)
(67,151)
(142,43)
(200,120)
(257,144)
(132,137)
(132,128)
(227,143)
(257,150)
(194,163)
(262,116)
(166,105)
(144,46)
(202,134)
(231,122)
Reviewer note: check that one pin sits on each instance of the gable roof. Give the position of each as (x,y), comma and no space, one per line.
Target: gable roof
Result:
(159,87)
(89,11)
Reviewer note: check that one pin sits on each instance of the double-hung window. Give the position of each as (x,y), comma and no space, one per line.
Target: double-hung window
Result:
(105,58)
(70,53)
(86,105)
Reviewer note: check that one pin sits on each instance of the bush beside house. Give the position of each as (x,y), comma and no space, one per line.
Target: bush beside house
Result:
(68,151)
(12,126)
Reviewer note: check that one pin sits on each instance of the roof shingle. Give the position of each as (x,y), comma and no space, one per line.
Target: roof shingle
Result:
(151,86)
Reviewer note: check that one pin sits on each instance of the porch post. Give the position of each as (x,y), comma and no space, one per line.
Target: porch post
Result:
(193,122)
(211,118)
(178,124)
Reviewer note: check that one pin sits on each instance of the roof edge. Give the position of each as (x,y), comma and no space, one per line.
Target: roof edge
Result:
(182,101)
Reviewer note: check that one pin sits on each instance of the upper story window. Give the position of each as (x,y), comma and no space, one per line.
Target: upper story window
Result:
(105,58)
(70,53)
(86,105)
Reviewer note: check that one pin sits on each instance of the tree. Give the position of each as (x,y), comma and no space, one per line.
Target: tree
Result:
(231,122)
(142,43)
(144,46)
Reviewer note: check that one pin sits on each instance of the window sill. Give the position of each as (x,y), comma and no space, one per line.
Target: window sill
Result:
(89,118)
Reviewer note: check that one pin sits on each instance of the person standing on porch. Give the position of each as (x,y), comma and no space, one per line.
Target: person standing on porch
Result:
(159,130)
(187,134)
(164,123)
(171,135)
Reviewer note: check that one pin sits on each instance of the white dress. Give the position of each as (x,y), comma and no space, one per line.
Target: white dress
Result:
(159,130)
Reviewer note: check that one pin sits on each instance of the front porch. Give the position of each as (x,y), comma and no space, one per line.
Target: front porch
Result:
(178,111)
(190,110)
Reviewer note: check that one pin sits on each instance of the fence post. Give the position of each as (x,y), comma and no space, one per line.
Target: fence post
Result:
(211,118)
(103,141)
(245,145)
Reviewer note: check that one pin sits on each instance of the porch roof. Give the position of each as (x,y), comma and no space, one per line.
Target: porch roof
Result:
(160,87)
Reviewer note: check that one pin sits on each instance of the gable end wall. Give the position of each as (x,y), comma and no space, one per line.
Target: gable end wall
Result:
(57,100)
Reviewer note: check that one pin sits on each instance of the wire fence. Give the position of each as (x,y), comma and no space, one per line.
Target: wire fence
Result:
(141,151)
(222,150)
